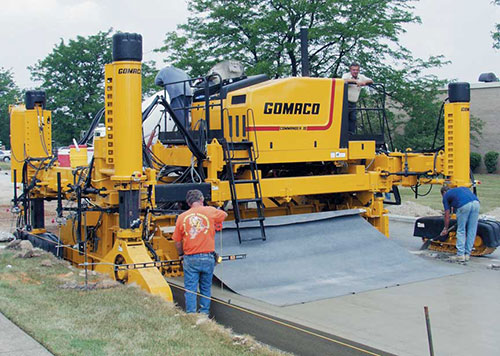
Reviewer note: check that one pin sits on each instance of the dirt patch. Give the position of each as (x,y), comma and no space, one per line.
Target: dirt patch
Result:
(20,276)
(65,276)
(25,248)
(104,284)
(409,208)
(495,213)
(46,263)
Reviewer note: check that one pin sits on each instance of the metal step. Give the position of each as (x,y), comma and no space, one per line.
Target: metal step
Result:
(246,181)
(239,146)
(240,158)
(260,218)
(252,200)
(234,162)
(254,239)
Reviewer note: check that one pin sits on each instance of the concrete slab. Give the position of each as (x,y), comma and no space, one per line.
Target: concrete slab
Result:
(464,309)
(15,342)
(332,261)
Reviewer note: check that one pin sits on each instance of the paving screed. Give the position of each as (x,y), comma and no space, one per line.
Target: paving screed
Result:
(318,256)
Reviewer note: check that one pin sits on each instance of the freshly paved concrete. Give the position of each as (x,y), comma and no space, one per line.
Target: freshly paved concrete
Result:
(15,342)
(464,309)
(333,261)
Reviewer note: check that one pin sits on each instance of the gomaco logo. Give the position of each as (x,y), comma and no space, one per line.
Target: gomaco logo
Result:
(129,71)
(291,108)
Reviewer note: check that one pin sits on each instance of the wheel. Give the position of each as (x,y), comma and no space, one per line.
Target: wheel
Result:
(120,276)
(6,159)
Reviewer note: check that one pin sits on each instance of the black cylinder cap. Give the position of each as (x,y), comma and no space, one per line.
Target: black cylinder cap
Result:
(127,47)
(459,92)
(34,97)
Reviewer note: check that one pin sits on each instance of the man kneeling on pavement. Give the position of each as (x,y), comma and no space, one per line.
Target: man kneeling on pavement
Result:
(466,206)
(194,238)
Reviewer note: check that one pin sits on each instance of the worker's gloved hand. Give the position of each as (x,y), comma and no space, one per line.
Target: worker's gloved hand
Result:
(181,258)
(218,226)
(217,258)
(444,232)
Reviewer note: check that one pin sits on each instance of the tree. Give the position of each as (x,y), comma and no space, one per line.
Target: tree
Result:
(73,77)
(9,95)
(264,36)
(496,33)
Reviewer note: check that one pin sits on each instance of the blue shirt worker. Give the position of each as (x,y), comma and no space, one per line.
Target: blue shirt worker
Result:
(466,206)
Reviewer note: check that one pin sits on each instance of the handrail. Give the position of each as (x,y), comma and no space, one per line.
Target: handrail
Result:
(250,110)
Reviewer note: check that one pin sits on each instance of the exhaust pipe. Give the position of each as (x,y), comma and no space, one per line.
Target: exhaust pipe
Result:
(304,51)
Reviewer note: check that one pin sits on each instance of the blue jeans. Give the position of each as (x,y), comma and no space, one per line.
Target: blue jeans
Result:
(198,269)
(467,218)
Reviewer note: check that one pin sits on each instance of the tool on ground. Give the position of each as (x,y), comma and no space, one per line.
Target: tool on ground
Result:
(170,263)
(427,243)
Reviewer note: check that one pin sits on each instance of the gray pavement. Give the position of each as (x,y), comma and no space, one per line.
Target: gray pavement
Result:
(464,308)
(15,342)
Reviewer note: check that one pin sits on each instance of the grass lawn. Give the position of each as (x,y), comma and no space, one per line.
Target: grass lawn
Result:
(119,321)
(488,192)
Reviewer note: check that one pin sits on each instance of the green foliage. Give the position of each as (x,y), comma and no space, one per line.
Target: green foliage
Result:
(488,191)
(420,130)
(9,94)
(264,36)
(491,161)
(149,72)
(475,161)
(496,33)
(73,77)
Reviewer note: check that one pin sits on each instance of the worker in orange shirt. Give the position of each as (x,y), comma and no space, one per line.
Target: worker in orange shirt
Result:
(194,239)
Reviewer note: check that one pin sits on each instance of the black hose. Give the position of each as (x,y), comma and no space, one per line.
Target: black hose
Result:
(88,180)
(438,122)
(150,108)
(474,188)
(92,127)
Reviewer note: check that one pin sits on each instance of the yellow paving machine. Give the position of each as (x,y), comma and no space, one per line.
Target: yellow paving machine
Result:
(255,147)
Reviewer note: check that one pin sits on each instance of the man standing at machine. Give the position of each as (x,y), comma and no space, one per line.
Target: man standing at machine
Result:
(356,81)
(194,239)
(466,206)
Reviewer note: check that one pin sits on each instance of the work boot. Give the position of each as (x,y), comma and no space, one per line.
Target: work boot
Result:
(202,318)
(467,258)
(457,258)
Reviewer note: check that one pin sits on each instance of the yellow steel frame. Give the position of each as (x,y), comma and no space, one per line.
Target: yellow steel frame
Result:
(296,136)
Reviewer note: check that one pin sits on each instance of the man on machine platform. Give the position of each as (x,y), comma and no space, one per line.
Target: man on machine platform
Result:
(356,81)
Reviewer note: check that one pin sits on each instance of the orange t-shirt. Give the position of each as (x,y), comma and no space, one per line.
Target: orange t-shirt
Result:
(196,229)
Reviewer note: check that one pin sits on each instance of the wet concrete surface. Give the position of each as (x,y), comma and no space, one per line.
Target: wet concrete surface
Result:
(464,308)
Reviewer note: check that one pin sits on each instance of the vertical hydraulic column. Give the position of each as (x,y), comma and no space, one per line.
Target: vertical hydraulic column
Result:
(123,146)
(31,147)
(457,135)
(123,114)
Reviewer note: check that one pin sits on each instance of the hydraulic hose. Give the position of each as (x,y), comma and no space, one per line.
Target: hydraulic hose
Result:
(92,127)
(441,110)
